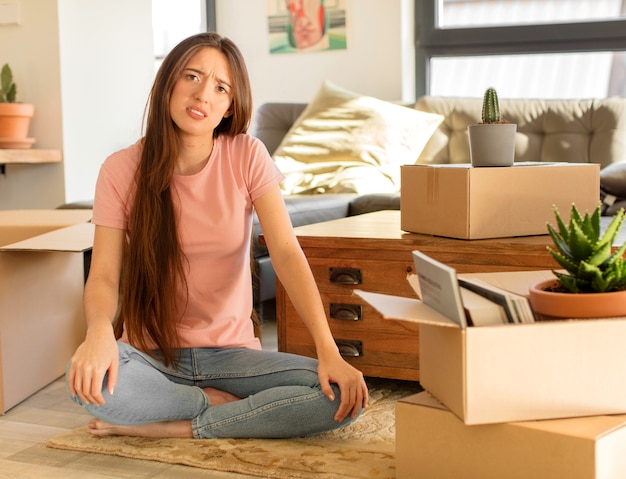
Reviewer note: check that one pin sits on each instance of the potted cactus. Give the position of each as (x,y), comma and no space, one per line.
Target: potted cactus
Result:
(14,116)
(492,142)
(593,283)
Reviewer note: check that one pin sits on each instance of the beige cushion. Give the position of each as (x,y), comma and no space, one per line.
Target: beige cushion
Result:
(344,142)
(576,131)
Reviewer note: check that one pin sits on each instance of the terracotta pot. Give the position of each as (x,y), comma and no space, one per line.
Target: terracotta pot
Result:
(492,144)
(576,306)
(14,123)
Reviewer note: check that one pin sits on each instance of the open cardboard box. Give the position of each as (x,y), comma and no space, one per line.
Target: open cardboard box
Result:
(41,315)
(18,225)
(459,201)
(432,442)
(516,372)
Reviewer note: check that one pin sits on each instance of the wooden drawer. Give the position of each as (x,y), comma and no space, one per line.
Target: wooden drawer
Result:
(344,275)
(385,348)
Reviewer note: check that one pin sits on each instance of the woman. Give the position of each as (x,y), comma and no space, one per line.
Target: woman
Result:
(171,267)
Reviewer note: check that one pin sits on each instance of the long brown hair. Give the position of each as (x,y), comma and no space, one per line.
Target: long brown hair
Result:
(153,273)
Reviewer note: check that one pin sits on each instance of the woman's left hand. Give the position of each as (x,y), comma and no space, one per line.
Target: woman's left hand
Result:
(354,395)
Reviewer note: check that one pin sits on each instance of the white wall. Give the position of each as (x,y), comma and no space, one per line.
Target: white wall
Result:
(378,36)
(87,66)
(107,68)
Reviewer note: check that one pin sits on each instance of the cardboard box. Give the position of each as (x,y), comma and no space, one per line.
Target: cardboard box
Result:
(516,372)
(41,315)
(432,442)
(18,225)
(459,201)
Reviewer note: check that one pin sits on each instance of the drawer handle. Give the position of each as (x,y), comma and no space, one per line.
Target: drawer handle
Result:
(345,275)
(350,348)
(346,311)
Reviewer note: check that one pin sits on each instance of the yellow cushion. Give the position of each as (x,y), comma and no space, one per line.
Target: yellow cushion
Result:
(344,142)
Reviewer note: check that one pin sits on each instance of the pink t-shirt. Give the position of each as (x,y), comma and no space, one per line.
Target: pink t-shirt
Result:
(215,221)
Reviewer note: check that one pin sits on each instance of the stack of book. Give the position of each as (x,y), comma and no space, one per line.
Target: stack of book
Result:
(469,301)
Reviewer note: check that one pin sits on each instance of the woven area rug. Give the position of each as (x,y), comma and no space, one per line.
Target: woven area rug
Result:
(365,449)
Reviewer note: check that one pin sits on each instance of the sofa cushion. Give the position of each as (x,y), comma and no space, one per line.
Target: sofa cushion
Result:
(345,142)
(613,179)
(272,121)
(576,131)
(613,188)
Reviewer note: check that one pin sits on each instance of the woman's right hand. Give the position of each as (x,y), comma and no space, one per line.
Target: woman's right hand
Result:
(97,356)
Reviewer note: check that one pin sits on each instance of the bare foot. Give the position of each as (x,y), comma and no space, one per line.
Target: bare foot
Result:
(217,396)
(97,427)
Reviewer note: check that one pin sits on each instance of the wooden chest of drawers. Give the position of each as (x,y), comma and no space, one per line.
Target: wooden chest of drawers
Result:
(371,253)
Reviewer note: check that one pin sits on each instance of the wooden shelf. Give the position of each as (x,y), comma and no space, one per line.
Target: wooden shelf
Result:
(29,155)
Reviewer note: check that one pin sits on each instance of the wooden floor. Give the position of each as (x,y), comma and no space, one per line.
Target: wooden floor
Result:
(25,429)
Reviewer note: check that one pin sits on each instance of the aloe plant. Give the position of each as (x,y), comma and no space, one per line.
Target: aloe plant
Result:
(491,107)
(8,90)
(586,254)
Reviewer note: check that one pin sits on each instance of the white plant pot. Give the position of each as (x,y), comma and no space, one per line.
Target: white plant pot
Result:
(492,144)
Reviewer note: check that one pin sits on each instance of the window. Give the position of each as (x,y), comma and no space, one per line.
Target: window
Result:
(547,75)
(173,21)
(523,48)
(482,13)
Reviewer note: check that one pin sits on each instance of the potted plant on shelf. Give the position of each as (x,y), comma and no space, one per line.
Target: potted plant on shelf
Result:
(492,142)
(594,282)
(14,116)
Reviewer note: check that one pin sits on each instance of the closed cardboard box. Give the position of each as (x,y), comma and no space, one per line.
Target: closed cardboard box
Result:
(41,315)
(433,443)
(460,201)
(516,372)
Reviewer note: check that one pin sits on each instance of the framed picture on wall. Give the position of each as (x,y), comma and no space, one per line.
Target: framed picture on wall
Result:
(297,26)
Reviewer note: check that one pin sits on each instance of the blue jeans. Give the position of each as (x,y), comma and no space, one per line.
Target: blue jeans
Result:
(281,394)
